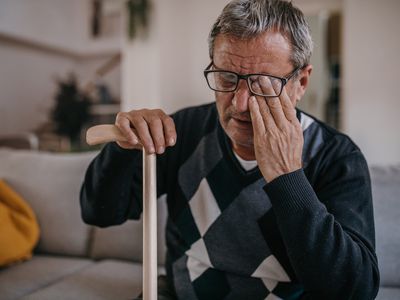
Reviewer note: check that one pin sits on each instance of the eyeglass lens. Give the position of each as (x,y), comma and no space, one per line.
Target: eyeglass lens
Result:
(259,84)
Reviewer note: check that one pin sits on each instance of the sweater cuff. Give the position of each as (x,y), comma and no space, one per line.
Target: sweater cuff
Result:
(113,157)
(119,149)
(291,193)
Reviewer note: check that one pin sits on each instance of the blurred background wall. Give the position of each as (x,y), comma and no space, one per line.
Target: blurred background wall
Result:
(41,40)
(371,103)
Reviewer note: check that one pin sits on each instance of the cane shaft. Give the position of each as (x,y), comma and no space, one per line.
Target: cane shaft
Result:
(149,227)
(110,133)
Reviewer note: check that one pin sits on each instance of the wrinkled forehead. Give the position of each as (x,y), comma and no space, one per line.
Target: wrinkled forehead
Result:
(270,50)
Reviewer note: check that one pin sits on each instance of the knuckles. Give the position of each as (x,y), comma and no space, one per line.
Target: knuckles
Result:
(147,123)
(143,113)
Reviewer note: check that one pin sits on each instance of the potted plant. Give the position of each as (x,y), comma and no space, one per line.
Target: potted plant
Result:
(71,110)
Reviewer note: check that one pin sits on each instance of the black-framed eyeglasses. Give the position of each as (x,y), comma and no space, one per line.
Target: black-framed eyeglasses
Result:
(264,85)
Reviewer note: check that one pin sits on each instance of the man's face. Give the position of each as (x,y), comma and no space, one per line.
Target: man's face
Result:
(268,53)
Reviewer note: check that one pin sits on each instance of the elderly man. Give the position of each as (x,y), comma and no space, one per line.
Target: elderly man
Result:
(264,201)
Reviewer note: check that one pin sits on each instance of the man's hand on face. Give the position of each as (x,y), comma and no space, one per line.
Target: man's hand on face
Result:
(151,128)
(278,136)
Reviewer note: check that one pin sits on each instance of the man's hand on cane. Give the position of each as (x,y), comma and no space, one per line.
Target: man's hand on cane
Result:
(151,128)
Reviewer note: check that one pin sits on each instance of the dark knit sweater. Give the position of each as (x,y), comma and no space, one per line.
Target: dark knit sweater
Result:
(231,235)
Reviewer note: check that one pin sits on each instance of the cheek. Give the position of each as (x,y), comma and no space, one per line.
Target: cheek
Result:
(223,101)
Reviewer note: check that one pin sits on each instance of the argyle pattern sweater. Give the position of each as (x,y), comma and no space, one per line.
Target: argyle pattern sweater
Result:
(230,234)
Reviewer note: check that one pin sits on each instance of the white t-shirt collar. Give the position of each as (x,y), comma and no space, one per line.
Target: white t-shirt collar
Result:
(246,164)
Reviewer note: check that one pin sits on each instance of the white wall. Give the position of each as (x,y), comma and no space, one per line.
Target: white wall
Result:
(41,40)
(28,87)
(371,101)
(316,96)
(49,21)
(165,70)
(59,24)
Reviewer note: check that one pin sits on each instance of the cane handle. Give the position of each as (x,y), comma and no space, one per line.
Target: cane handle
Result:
(106,133)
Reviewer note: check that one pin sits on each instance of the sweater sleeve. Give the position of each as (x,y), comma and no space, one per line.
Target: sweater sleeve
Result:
(328,231)
(107,193)
(112,189)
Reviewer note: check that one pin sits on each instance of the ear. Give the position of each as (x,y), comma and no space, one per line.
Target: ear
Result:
(302,80)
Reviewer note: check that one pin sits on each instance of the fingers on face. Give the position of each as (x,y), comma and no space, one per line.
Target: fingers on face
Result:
(265,86)
(271,106)
(283,102)
(261,115)
(288,107)
(282,108)
(256,117)
(266,113)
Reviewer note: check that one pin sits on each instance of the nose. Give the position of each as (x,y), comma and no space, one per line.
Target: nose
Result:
(241,97)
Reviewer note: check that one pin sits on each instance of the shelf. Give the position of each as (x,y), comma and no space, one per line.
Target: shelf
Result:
(89,48)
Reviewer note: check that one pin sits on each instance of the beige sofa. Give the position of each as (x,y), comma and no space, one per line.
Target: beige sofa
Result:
(76,261)
(72,260)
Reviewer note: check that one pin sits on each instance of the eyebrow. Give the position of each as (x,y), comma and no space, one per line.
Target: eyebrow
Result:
(262,73)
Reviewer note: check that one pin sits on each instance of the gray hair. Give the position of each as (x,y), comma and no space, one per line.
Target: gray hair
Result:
(245,19)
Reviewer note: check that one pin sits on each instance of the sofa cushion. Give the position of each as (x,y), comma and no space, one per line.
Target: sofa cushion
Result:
(388,293)
(21,279)
(109,279)
(50,183)
(125,241)
(386,197)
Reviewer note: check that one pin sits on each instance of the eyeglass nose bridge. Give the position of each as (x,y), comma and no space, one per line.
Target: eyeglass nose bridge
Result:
(246,79)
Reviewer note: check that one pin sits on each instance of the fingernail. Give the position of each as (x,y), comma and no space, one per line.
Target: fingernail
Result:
(160,149)
(152,150)
(171,141)
(134,141)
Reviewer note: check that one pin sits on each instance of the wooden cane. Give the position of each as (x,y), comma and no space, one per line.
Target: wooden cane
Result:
(110,133)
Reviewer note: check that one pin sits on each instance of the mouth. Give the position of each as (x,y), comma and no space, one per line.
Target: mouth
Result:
(242,123)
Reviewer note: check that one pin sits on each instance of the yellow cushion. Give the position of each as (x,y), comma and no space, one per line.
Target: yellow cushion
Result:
(19,230)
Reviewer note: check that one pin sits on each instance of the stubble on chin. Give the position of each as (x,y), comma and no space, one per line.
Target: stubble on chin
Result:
(240,137)
(226,115)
